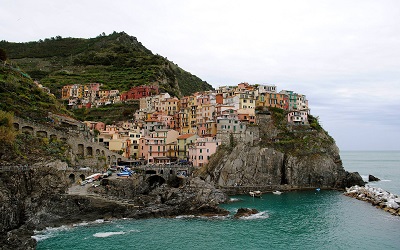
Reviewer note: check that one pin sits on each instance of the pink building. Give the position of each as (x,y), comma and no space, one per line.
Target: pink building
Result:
(202,150)
(154,147)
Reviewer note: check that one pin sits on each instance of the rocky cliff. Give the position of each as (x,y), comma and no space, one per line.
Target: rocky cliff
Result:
(283,157)
(38,198)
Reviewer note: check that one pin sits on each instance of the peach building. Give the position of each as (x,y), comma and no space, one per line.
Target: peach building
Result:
(201,151)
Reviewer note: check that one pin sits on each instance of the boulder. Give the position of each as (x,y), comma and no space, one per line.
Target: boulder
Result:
(245,212)
(373,178)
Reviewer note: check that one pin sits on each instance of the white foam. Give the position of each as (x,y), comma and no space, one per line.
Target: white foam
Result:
(184,216)
(40,237)
(260,215)
(386,180)
(81,224)
(234,199)
(107,234)
(49,232)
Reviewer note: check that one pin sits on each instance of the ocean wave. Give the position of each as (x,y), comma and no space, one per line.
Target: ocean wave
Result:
(81,224)
(185,216)
(107,234)
(49,232)
(386,180)
(260,215)
(201,217)
(40,237)
(234,199)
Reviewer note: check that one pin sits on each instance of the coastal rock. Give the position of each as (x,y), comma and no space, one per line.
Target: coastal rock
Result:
(245,212)
(280,157)
(19,239)
(269,169)
(377,197)
(373,178)
(37,198)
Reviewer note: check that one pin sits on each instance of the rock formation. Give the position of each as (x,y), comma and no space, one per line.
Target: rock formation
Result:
(38,198)
(283,158)
(377,197)
(373,178)
(245,212)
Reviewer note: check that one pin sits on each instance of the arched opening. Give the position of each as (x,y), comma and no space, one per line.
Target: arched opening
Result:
(16,126)
(162,171)
(97,152)
(89,151)
(27,130)
(113,159)
(71,178)
(82,177)
(41,134)
(155,181)
(81,149)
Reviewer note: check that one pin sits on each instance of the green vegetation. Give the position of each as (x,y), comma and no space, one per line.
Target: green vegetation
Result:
(297,139)
(118,61)
(22,97)
(109,113)
(7,131)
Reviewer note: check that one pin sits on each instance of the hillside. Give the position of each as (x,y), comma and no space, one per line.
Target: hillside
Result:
(22,97)
(118,60)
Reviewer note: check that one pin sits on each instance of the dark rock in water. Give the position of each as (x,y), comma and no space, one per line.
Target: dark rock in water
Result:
(244,212)
(353,179)
(373,178)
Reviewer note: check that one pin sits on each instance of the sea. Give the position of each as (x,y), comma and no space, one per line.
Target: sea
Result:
(293,220)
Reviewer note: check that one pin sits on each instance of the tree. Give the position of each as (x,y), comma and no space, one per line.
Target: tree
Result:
(3,55)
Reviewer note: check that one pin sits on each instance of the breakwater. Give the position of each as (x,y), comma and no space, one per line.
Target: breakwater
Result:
(377,197)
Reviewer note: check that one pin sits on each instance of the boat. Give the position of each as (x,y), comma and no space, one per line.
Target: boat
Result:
(255,193)
(277,192)
(125,174)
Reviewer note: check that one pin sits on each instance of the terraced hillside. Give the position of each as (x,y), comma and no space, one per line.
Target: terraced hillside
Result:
(118,60)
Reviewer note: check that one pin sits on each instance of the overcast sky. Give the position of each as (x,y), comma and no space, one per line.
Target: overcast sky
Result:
(343,55)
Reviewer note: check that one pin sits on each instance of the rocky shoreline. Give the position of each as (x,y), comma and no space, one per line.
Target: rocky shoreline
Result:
(43,197)
(39,198)
(377,197)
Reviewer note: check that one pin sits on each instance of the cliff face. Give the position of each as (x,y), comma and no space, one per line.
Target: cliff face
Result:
(24,195)
(283,157)
(37,198)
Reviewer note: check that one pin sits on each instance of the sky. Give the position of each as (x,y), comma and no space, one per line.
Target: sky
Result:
(343,55)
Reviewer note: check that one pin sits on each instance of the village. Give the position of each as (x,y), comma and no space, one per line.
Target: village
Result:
(168,130)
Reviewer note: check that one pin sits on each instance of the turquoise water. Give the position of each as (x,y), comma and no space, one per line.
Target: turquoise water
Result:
(383,164)
(295,220)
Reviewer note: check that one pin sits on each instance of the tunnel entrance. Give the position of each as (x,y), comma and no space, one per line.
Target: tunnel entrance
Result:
(155,181)
(71,178)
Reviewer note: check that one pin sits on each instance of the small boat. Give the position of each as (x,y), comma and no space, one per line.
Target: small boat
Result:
(255,193)
(277,192)
(124,174)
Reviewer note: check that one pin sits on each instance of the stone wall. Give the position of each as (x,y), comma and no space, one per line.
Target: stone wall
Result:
(84,150)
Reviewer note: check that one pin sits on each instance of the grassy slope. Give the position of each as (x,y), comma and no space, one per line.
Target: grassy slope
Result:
(19,95)
(118,61)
